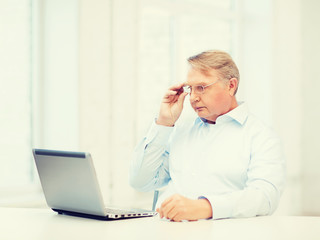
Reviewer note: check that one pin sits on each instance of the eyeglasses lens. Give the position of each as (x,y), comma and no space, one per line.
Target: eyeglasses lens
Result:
(198,89)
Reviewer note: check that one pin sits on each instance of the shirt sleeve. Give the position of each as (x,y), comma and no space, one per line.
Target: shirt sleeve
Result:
(264,185)
(149,168)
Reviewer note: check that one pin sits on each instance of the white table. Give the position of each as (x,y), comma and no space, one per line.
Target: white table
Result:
(24,224)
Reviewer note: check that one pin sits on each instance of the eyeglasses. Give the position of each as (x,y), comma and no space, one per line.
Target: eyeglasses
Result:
(198,89)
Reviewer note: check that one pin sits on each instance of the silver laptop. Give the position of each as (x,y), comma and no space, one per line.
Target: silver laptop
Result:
(71,187)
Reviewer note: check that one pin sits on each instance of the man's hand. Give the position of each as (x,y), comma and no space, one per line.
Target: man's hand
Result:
(178,208)
(171,105)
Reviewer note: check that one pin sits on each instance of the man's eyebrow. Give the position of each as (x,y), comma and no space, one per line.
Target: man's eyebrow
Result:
(198,84)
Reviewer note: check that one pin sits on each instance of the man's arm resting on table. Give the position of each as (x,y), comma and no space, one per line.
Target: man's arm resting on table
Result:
(178,208)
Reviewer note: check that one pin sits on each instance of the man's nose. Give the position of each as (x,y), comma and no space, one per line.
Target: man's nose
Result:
(194,97)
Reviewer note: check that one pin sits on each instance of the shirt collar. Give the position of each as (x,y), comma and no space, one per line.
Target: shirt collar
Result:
(239,114)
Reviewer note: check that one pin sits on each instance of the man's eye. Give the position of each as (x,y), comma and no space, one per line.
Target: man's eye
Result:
(199,88)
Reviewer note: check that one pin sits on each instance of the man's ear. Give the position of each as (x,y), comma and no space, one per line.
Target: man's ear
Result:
(233,84)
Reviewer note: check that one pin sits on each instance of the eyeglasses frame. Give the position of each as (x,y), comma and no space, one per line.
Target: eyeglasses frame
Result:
(188,88)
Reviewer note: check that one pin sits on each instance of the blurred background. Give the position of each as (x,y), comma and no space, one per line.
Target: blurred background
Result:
(89,75)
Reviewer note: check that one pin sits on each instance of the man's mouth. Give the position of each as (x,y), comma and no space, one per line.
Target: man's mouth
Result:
(199,108)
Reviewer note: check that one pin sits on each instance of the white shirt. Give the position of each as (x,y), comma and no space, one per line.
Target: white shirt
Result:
(237,164)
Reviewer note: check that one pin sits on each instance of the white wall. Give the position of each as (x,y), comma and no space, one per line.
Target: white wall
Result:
(59,78)
(295,87)
(256,58)
(287,100)
(310,85)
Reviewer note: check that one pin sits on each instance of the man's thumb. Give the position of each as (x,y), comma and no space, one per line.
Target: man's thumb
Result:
(182,97)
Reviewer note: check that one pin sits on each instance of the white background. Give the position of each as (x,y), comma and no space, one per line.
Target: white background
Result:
(89,75)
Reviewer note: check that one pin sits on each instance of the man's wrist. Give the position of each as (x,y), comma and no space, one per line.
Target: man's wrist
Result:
(205,208)
(162,122)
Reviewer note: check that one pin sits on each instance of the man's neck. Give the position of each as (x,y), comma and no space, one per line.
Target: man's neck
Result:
(234,104)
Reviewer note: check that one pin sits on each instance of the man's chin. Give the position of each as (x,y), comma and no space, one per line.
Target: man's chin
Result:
(205,116)
(202,115)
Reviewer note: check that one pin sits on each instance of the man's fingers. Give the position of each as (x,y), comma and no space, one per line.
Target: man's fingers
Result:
(160,212)
(166,201)
(182,97)
(172,213)
(165,208)
(177,218)
(174,96)
(170,93)
(170,96)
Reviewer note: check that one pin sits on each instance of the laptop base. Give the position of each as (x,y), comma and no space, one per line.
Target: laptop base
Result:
(96,217)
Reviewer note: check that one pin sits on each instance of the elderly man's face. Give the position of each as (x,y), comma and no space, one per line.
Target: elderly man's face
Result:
(216,99)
